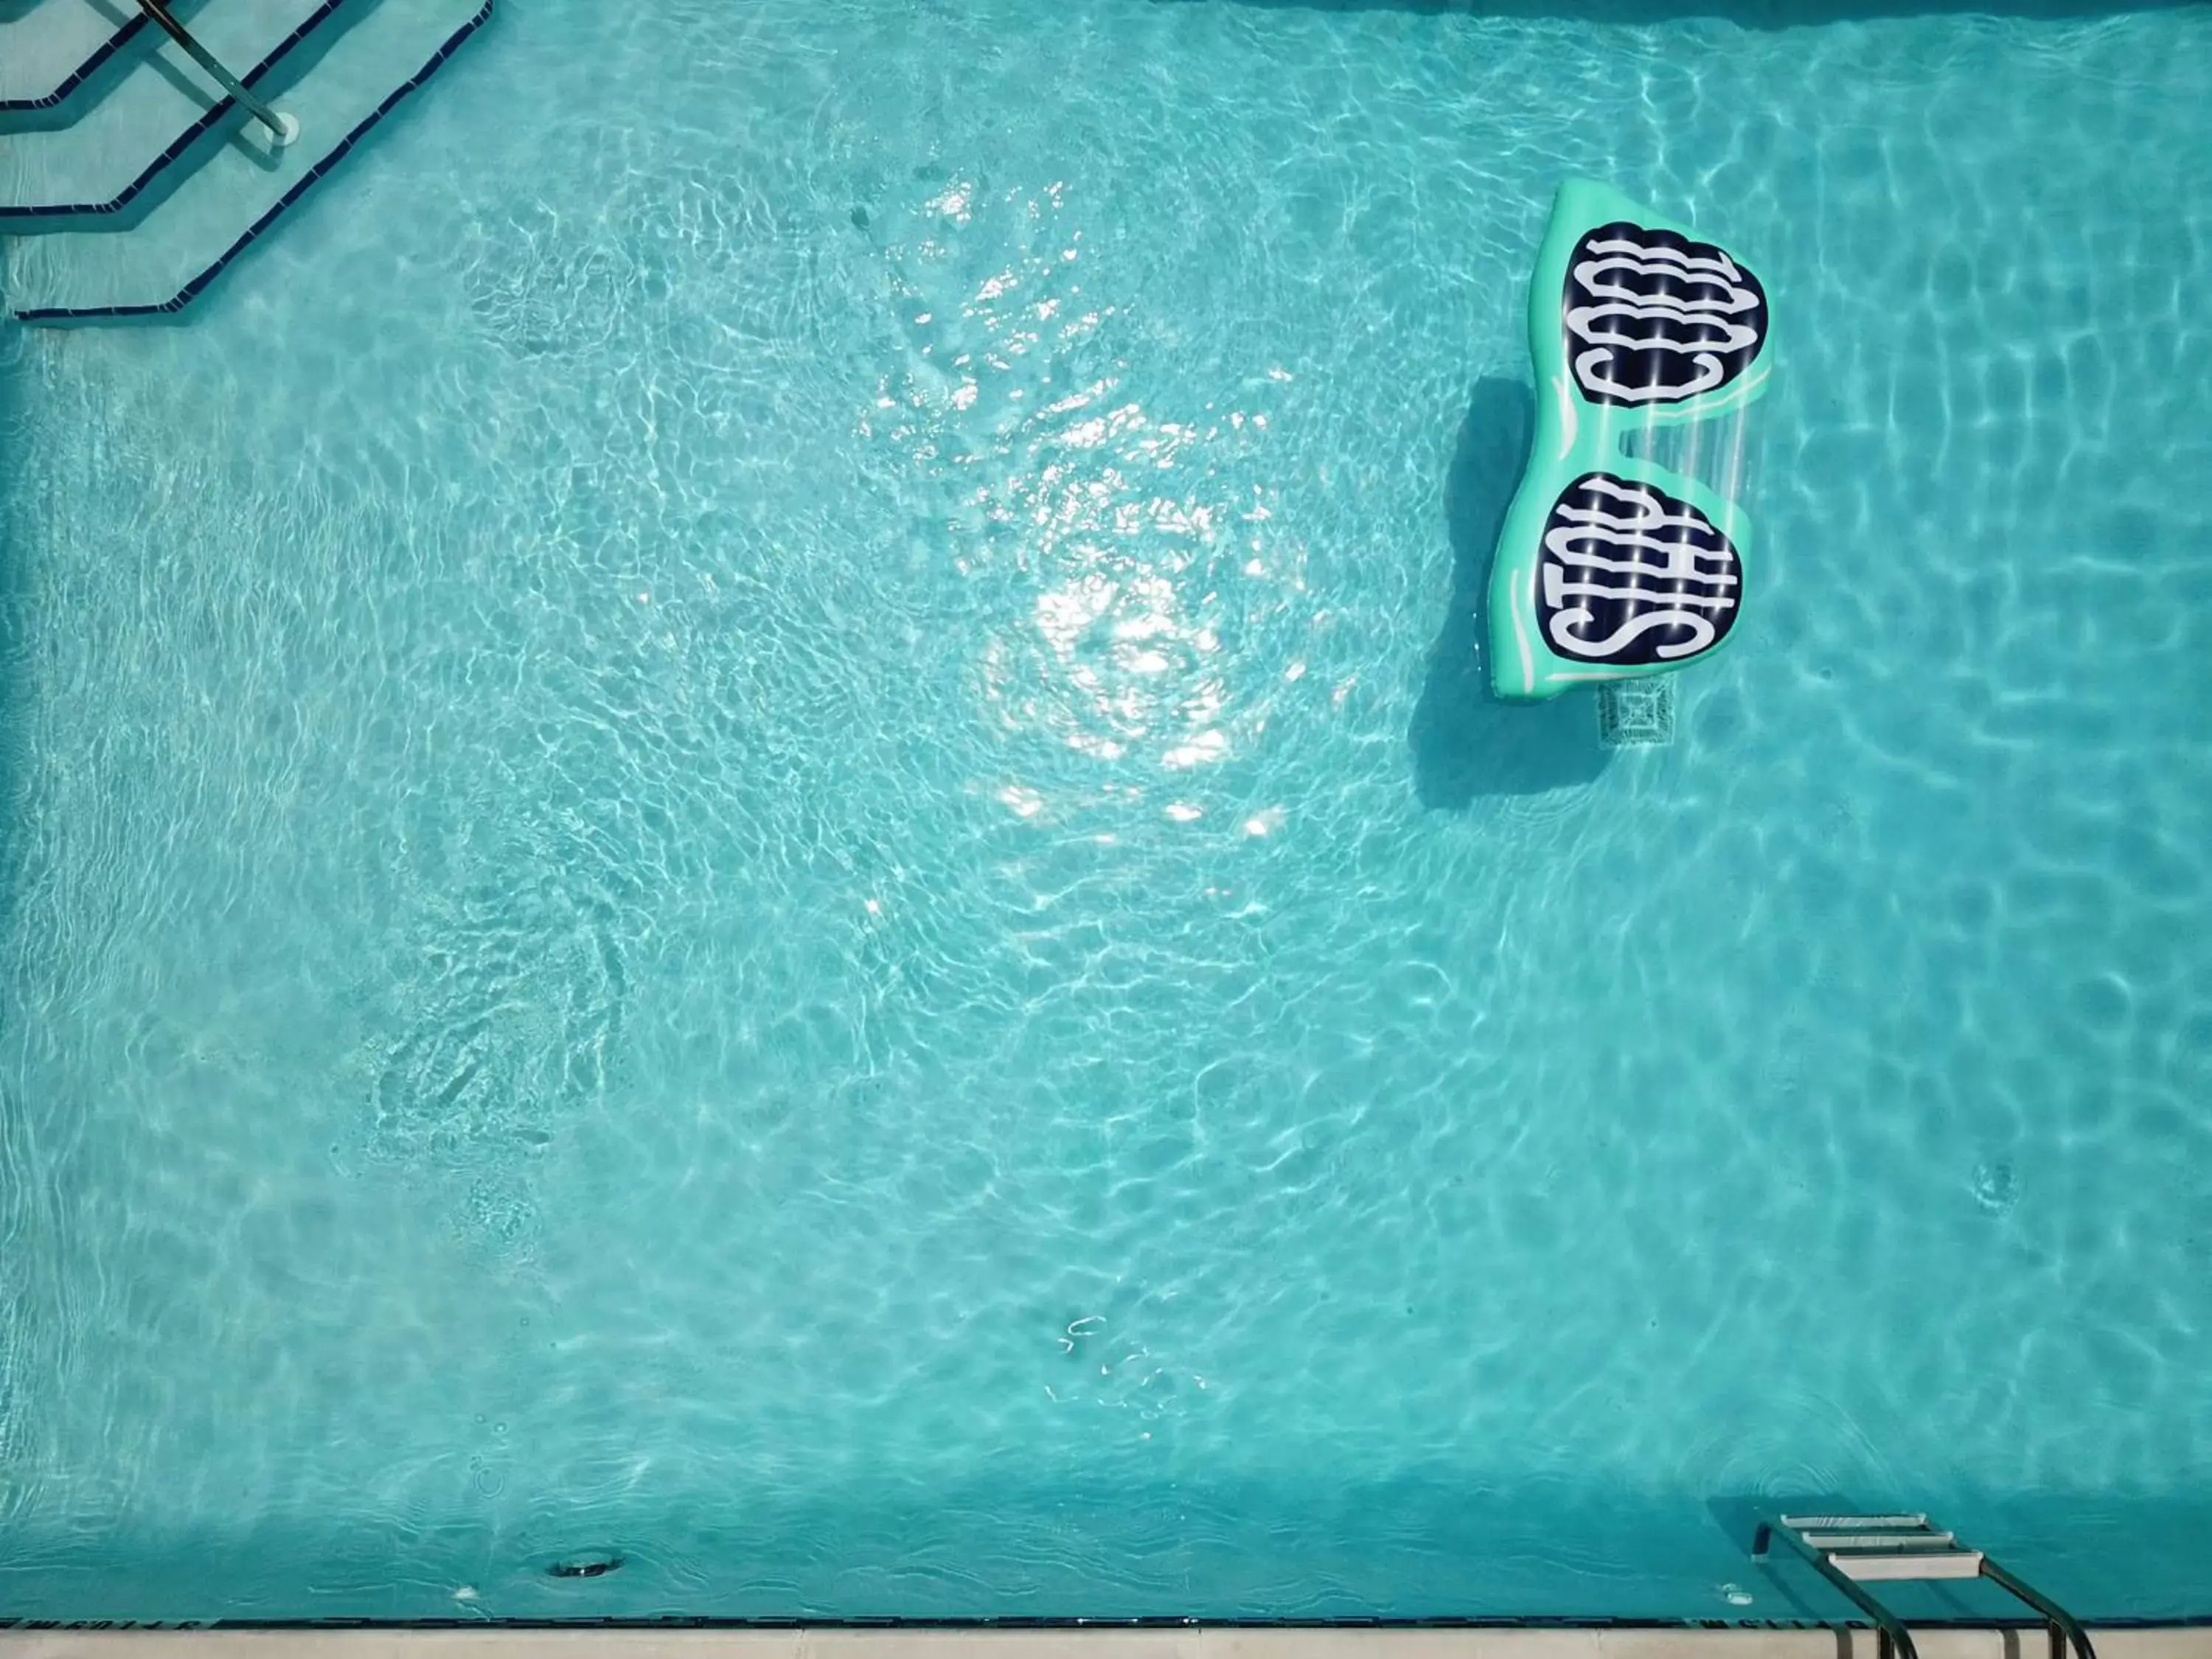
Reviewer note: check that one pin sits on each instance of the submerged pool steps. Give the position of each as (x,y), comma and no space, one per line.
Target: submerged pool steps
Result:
(52,51)
(1852,1550)
(136,206)
(112,158)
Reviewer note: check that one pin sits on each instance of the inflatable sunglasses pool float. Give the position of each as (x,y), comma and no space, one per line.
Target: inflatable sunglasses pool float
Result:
(1622,555)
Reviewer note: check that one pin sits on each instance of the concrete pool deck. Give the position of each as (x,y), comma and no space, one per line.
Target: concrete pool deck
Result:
(1198,1642)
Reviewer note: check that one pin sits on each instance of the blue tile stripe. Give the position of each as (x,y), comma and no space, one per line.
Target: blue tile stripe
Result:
(192,290)
(185,139)
(83,71)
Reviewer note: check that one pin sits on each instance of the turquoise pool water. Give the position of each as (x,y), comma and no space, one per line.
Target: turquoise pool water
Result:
(746,825)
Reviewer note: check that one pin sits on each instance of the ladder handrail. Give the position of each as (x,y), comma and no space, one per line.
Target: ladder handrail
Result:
(2053,1615)
(1894,1642)
(222,78)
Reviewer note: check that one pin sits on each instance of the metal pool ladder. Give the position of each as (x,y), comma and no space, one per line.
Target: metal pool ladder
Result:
(1852,1550)
(282,128)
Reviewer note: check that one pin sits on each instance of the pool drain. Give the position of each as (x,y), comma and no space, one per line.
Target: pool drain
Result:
(1636,714)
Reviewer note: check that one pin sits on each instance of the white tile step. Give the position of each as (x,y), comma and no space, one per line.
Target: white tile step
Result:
(48,48)
(1878,1541)
(1941,1563)
(104,163)
(216,211)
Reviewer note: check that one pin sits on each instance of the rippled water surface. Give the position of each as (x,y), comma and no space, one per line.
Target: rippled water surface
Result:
(747,827)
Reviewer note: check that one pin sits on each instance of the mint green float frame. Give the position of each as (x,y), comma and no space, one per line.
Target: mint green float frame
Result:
(1575,435)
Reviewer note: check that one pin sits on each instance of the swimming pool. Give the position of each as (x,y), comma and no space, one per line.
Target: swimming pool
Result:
(748,828)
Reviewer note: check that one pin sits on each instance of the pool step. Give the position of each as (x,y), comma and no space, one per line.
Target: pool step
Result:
(1852,1550)
(107,166)
(51,48)
(1875,1541)
(215,211)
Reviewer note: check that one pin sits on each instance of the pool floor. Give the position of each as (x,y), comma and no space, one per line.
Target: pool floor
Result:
(747,827)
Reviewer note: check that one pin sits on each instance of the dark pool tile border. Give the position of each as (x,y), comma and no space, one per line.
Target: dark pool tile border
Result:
(1593,1622)
(130,29)
(192,290)
(184,140)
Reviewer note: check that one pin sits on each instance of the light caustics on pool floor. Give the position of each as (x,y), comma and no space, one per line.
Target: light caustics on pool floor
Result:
(748,826)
